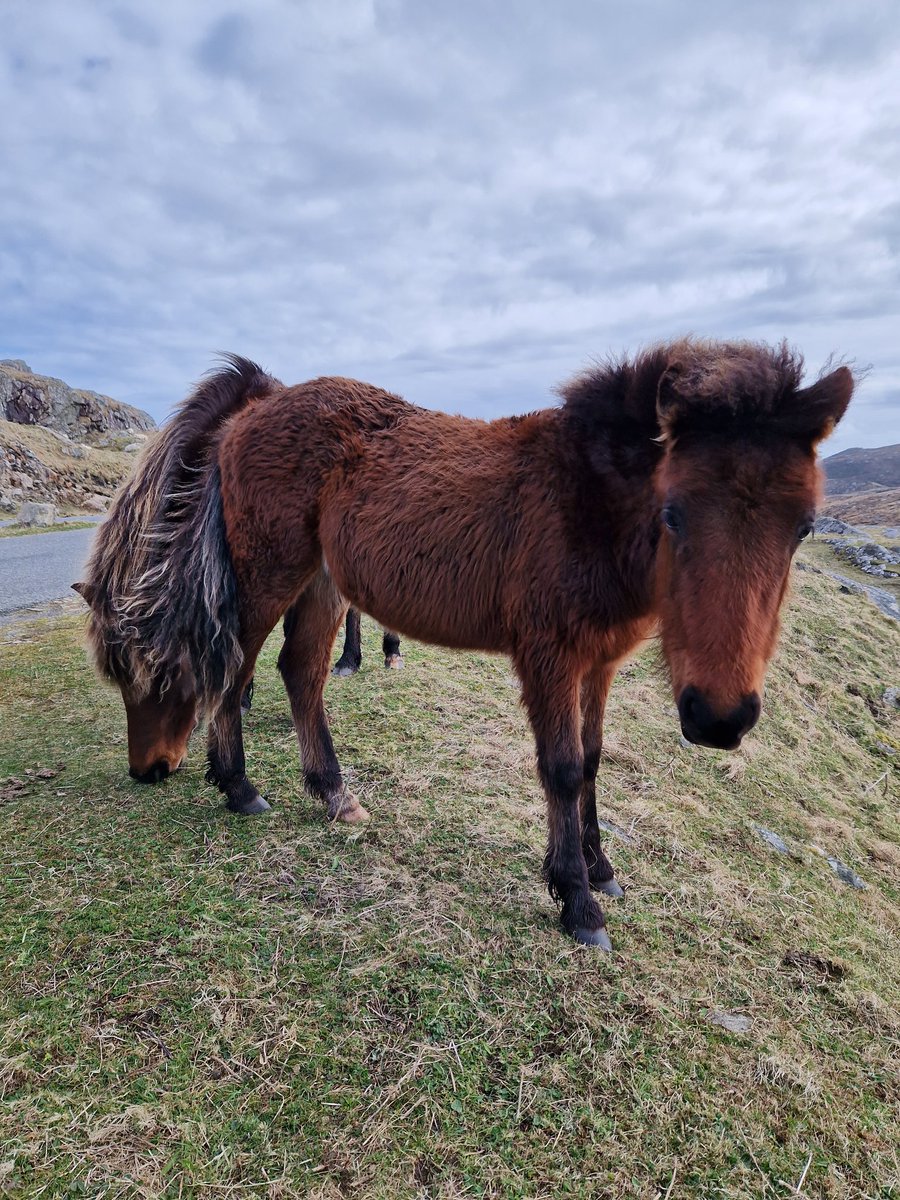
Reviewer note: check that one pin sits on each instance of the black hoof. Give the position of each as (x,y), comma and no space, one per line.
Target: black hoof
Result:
(609,887)
(593,937)
(250,808)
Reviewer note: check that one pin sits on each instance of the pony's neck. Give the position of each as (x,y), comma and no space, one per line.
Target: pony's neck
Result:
(612,514)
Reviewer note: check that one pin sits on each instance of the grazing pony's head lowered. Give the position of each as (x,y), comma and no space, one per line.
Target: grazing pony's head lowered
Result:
(162,624)
(736,484)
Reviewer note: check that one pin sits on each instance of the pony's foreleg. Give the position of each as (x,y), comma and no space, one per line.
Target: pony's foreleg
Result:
(594,691)
(550,694)
(390,645)
(315,619)
(351,656)
(225,743)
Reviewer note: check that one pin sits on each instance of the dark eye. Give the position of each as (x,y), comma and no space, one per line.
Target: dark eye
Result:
(672,519)
(805,530)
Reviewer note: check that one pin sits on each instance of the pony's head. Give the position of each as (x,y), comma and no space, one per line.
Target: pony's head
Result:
(714,443)
(736,488)
(161,711)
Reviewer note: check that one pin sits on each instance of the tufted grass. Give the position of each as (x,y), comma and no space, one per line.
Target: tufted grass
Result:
(198,1005)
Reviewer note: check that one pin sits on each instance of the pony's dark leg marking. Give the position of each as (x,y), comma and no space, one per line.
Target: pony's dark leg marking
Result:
(351,656)
(225,746)
(303,663)
(390,645)
(593,703)
(550,693)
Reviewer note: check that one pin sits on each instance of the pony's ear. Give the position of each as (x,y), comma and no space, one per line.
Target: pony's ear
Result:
(813,412)
(86,590)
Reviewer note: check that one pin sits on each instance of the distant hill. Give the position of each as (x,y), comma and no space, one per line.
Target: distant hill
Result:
(860,470)
(61,444)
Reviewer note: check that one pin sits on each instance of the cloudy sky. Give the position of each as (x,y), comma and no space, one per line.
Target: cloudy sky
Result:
(462,202)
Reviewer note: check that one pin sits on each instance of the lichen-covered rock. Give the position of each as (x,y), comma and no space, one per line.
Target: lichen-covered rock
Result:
(33,513)
(83,416)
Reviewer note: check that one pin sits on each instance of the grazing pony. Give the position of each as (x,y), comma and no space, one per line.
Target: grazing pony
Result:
(671,488)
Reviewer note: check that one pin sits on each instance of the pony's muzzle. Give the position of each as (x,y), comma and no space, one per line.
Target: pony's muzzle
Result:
(157,773)
(701,724)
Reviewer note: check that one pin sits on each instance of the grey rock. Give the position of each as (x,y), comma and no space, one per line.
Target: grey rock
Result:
(32,513)
(733,1022)
(17,364)
(617,831)
(772,839)
(845,874)
(891,697)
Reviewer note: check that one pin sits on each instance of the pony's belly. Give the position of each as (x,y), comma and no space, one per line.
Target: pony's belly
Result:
(423,606)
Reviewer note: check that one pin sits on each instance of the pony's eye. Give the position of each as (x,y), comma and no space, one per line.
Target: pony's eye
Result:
(805,530)
(671,517)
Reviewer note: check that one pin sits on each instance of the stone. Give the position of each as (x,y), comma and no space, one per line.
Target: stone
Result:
(891,697)
(845,874)
(33,513)
(95,502)
(733,1022)
(772,839)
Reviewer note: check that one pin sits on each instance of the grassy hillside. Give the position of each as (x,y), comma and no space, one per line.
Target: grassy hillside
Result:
(202,1005)
(881,507)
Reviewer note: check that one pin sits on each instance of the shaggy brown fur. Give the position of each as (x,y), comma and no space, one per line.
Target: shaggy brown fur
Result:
(674,486)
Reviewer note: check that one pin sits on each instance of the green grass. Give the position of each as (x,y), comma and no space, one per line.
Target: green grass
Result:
(21,530)
(200,1005)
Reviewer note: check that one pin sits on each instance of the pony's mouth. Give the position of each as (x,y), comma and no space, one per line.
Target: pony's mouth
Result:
(156,774)
(701,725)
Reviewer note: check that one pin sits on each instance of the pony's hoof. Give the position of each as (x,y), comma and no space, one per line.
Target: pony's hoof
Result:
(250,808)
(609,887)
(394,662)
(343,672)
(354,816)
(593,937)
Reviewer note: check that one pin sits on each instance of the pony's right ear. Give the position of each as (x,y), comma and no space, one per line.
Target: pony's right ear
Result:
(85,590)
(813,412)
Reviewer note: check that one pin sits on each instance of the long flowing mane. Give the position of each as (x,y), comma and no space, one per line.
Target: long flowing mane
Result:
(155,520)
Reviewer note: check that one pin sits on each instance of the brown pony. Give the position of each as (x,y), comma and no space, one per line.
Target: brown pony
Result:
(671,488)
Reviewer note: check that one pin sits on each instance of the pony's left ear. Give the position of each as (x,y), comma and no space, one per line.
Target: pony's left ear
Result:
(86,590)
(813,412)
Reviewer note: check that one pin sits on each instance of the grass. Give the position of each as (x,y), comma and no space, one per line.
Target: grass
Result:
(22,530)
(199,1005)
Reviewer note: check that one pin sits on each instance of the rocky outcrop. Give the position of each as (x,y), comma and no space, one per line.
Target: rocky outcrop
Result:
(869,557)
(81,416)
(63,445)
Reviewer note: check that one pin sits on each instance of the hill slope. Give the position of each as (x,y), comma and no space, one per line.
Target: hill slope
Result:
(202,1004)
(858,470)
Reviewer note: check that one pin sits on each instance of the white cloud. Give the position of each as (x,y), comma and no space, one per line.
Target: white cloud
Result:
(463,204)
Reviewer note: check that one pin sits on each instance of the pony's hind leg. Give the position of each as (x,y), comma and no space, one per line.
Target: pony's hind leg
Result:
(550,693)
(351,656)
(315,619)
(390,646)
(594,691)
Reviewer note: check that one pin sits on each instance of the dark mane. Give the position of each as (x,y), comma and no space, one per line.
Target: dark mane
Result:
(135,541)
(686,384)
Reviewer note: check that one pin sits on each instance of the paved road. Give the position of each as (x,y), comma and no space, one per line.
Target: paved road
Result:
(40,567)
